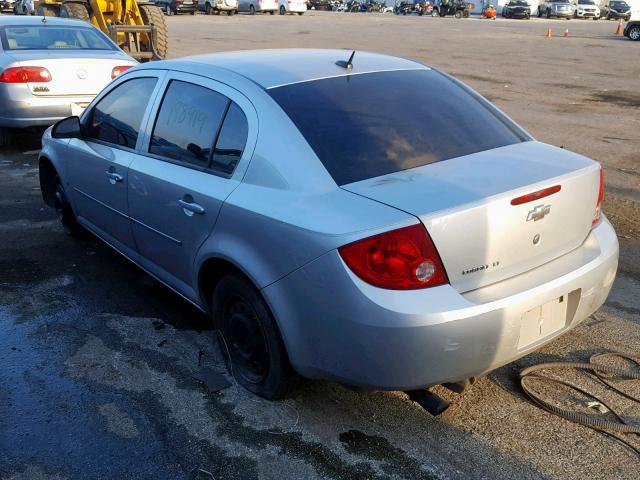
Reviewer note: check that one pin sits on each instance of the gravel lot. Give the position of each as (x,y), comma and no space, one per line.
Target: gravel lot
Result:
(106,374)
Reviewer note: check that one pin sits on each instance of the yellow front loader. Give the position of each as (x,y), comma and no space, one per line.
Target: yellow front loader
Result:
(137,27)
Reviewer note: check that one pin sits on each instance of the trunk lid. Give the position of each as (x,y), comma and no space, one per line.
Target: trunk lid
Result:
(72,73)
(465,204)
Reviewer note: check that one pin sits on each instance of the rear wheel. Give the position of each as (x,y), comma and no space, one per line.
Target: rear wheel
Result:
(252,10)
(282,10)
(168,10)
(458,14)
(208,9)
(75,10)
(152,15)
(250,338)
(634,33)
(434,13)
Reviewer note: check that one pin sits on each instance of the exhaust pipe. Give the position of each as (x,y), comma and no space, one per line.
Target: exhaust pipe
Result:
(432,403)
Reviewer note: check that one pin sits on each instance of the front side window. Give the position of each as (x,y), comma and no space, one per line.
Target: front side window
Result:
(54,38)
(188,123)
(117,117)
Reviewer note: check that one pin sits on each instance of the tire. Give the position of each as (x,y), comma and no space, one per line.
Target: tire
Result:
(457,14)
(300,13)
(634,33)
(282,10)
(250,339)
(46,10)
(548,13)
(272,12)
(539,13)
(65,212)
(6,137)
(168,11)
(229,13)
(434,13)
(207,9)
(152,15)
(75,10)
(252,10)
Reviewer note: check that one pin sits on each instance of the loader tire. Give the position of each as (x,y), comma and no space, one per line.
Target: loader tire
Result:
(75,10)
(152,15)
(46,10)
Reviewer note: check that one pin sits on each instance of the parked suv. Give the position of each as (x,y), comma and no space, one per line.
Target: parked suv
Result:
(211,7)
(616,9)
(174,7)
(587,9)
(556,8)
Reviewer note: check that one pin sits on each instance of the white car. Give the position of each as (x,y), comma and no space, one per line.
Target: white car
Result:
(258,6)
(587,9)
(293,6)
(52,69)
(211,7)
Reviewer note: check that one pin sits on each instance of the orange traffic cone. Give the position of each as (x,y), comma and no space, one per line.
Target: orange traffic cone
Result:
(619,29)
(548,32)
(566,33)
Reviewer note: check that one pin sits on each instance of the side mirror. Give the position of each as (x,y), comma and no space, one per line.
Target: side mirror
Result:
(67,128)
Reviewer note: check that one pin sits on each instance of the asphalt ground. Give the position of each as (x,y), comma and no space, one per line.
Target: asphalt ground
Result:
(106,374)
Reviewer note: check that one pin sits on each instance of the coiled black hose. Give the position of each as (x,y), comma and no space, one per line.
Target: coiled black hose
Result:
(608,427)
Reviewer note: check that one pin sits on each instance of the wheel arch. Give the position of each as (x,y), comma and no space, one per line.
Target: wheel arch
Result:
(211,270)
(47,173)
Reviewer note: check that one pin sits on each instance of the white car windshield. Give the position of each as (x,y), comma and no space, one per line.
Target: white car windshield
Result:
(53,38)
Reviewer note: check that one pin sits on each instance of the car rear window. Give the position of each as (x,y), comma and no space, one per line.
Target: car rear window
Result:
(367,125)
(54,38)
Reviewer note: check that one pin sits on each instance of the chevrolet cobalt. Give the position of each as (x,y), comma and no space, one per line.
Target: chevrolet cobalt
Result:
(391,241)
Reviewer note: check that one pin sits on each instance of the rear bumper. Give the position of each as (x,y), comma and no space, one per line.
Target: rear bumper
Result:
(19,108)
(337,327)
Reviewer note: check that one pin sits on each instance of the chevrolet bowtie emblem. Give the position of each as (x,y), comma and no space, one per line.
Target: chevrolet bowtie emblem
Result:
(538,213)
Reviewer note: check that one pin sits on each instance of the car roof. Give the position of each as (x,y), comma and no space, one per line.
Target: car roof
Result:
(29,20)
(273,68)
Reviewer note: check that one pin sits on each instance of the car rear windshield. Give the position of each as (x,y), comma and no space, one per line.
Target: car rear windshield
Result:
(367,125)
(54,38)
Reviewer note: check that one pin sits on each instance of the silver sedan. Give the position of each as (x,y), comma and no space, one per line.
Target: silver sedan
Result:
(51,68)
(392,242)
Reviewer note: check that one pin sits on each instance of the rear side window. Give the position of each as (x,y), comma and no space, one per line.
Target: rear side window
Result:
(117,117)
(368,125)
(231,142)
(188,123)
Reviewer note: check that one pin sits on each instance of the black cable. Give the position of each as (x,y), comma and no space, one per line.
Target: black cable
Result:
(599,370)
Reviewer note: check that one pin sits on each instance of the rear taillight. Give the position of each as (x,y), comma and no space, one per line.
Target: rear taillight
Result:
(598,214)
(25,75)
(117,71)
(403,259)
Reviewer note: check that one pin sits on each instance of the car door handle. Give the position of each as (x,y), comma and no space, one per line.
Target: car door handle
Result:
(190,208)
(114,177)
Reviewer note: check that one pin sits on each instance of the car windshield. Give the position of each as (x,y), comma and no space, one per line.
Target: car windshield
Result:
(585,2)
(619,4)
(519,3)
(367,125)
(48,37)
(559,1)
